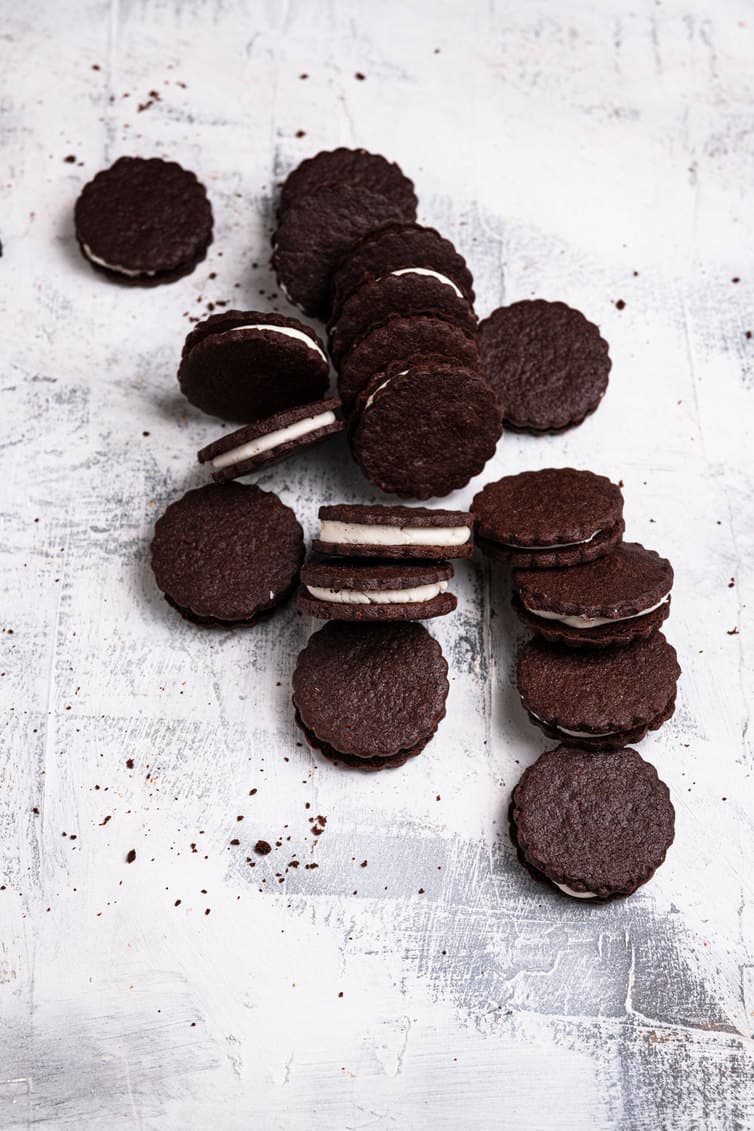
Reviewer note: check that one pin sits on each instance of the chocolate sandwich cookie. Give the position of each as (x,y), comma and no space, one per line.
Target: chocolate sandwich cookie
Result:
(596,824)
(374,531)
(407,291)
(370,695)
(313,232)
(598,699)
(618,598)
(548,364)
(248,365)
(403,339)
(355,167)
(345,589)
(392,247)
(425,430)
(547,519)
(273,439)
(144,221)
(225,555)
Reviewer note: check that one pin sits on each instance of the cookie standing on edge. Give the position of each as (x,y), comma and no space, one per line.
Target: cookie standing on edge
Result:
(351,166)
(271,440)
(598,699)
(547,519)
(226,554)
(144,221)
(426,430)
(377,531)
(375,591)
(549,365)
(618,598)
(370,695)
(247,365)
(597,824)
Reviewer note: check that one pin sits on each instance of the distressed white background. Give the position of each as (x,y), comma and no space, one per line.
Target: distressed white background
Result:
(578,151)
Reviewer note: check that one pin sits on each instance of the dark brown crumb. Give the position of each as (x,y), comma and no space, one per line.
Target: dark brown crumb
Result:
(732,632)
(131,856)
(364,863)
(303,76)
(177,903)
(620,304)
(207,910)
(735,279)
(129,763)
(69,160)
(235,840)
(359,76)
(748,334)
(421,891)
(300,133)
(340,994)
(96,67)
(262,848)
(731,583)
(108,818)
(252,792)
(240,818)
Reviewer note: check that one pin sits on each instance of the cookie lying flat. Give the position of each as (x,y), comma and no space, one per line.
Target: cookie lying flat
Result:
(375,591)
(426,430)
(351,166)
(402,340)
(271,440)
(144,221)
(546,519)
(598,699)
(376,531)
(394,246)
(595,824)
(370,695)
(618,598)
(248,365)
(548,364)
(225,555)
(313,232)
(408,291)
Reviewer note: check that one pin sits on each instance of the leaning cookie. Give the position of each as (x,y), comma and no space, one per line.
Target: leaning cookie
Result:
(345,589)
(598,699)
(618,598)
(596,824)
(144,221)
(271,440)
(376,531)
(355,167)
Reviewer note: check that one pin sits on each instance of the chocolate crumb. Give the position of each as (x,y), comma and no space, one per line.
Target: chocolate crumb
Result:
(262,848)
(732,632)
(735,279)
(364,863)
(131,856)
(129,763)
(620,304)
(69,160)
(235,840)
(359,76)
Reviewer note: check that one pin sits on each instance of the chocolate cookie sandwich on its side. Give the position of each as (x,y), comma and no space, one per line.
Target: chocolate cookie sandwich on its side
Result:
(598,699)
(549,365)
(354,167)
(618,598)
(547,519)
(370,695)
(376,531)
(247,365)
(144,221)
(596,824)
(348,589)
(271,440)
(224,555)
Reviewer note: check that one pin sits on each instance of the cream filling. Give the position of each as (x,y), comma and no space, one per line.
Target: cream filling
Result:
(379,596)
(593,622)
(287,331)
(573,733)
(113,266)
(379,387)
(272,440)
(432,274)
(363,534)
(560,546)
(574,893)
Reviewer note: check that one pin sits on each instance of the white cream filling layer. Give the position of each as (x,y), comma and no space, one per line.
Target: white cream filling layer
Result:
(574,893)
(379,387)
(286,331)
(573,733)
(113,266)
(432,274)
(594,622)
(363,534)
(379,596)
(272,440)
(560,546)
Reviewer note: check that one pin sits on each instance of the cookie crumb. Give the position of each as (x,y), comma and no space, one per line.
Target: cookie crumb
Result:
(131,856)
(262,848)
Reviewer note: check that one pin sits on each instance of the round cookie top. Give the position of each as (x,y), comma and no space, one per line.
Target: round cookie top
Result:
(426,430)
(227,552)
(557,506)
(392,247)
(371,690)
(407,293)
(403,339)
(548,364)
(313,232)
(597,693)
(143,219)
(247,365)
(351,166)
(626,582)
(596,822)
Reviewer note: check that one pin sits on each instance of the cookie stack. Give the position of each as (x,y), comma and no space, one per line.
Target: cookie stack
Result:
(597,675)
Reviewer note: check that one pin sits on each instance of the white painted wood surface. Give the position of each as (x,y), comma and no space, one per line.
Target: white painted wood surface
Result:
(586,152)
